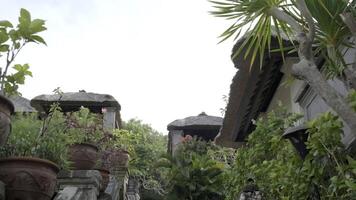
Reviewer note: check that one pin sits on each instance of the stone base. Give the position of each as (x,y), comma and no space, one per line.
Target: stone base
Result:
(104,196)
(78,185)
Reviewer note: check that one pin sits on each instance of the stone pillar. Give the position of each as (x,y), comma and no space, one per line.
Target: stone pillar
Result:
(109,117)
(2,191)
(133,189)
(250,191)
(121,175)
(176,136)
(78,185)
(112,191)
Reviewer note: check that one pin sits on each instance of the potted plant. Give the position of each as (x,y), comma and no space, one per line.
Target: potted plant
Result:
(34,154)
(84,130)
(122,147)
(12,41)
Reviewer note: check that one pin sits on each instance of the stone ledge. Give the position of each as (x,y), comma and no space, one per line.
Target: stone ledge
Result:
(82,179)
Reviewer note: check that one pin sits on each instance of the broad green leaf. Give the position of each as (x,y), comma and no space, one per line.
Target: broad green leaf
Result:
(14,35)
(37,25)
(24,23)
(25,17)
(5,23)
(3,37)
(39,39)
(4,48)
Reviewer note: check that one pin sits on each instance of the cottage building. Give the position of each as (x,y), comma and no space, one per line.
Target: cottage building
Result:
(103,104)
(256,90)
(202,126)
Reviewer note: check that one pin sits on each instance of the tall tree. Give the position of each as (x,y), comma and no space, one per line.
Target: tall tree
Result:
(316,28)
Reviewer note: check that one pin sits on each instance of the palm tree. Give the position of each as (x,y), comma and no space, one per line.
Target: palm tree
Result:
(316,28)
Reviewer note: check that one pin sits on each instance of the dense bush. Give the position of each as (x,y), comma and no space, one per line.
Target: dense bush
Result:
(280,173)
(44,139)
(145,146)
(196,171)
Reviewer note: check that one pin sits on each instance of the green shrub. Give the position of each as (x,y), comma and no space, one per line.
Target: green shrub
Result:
(32,137)
(280,173)
(195,172)
(84,126)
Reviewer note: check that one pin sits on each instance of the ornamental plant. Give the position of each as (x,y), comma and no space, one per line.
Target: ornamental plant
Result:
(12,40)
(43,139)
(111,147)
(84,126)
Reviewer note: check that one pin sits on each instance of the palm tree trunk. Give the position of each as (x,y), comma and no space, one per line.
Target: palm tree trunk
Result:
(308,71)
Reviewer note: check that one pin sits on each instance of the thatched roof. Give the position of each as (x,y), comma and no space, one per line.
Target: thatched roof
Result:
(251,91)
(202,121)
(22,104)
(71,101)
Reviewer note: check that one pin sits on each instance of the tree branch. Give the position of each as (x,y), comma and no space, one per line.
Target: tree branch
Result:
(308,17)
(350,22)
(308,71)
(8,63)
(282,16)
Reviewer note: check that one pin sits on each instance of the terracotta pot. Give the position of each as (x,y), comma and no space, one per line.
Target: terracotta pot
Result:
(121,159)
(28,178)
(83,156)
(6,109)
(105,179)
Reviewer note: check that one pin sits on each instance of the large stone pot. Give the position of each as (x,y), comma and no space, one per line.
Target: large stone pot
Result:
(105,175)
(83,156)
(6,109)
(120,159)
(28,178)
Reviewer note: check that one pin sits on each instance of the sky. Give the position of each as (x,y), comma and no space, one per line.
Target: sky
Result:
(159,58)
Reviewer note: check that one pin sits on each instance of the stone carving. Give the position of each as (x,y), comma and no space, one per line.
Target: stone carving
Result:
(254,195)
(75,193)
(251,191)
(133,189)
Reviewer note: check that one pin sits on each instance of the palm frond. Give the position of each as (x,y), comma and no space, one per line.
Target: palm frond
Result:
(252,18)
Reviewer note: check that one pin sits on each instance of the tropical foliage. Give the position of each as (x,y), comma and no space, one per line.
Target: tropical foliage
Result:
(260,20)
(320,31)
(145,146)
(195,171)
(326,173)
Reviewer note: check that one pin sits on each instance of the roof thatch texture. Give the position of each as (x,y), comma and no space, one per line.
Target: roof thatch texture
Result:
(22,104)
(202,121)
(74,100)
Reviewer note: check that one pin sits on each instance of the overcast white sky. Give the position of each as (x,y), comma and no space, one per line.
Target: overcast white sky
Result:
(159,58)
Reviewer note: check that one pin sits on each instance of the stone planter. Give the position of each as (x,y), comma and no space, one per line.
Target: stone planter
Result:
(105,175)
(83,156)
(6,109)
(28,178)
